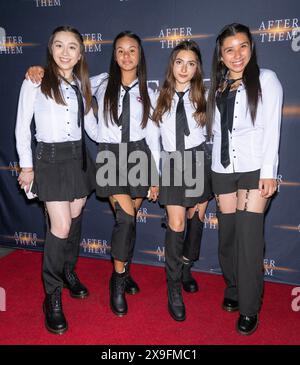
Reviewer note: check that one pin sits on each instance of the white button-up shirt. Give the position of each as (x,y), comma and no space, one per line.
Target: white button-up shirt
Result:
(252,147)
(54,122)
(111,132)
(168,126)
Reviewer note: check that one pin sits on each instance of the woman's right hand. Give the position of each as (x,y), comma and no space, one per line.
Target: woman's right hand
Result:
(35,74)
(25,178)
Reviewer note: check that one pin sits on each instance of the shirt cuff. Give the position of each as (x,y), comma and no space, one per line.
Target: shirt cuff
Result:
(268,172)
(26,162)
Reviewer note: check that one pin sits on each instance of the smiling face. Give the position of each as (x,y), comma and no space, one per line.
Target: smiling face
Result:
(236,54)
(66,52)
(127,54)
(184,68)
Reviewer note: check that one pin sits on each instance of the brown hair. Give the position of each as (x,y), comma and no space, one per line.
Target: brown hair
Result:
(51,80)
(197,92)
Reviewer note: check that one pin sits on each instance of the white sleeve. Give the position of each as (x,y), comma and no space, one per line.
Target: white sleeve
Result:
(153,133)
(91,125)
(97,81)
(24,117)
(153,141)
(272,96)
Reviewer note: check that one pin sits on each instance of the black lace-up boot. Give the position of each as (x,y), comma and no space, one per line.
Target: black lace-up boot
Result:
(118,302)
(71,281)
(55,320)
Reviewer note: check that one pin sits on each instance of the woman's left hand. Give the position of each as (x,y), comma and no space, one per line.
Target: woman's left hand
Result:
(153,193)
(25,178)
(267,187)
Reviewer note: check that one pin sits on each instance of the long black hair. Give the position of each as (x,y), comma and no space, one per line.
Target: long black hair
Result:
(51,80)
(111,96)
(219,72)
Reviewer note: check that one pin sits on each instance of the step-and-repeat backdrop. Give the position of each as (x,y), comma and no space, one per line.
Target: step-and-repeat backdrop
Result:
(25,26)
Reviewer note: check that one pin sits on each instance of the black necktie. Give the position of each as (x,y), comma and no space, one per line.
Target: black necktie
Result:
(225,159)
(124,119)
(182,127)
(80,122)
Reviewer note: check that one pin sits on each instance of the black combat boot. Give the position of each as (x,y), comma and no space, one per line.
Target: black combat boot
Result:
(55,320)
(118,302)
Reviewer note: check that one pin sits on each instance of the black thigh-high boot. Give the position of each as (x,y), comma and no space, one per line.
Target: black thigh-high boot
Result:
(226,252)
(173,255)
(250,274)
(120,248)
(191,251)
(131,286)
(53,264)
(71,280)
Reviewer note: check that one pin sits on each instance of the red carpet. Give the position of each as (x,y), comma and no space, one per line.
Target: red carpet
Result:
(148,322)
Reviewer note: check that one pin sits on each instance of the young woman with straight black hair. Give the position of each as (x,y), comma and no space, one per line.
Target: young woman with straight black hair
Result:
(61,172)
(244,116)
(125,129)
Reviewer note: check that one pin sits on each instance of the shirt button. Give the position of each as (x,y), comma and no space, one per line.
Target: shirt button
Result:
(68,122)
(67,110)
(67,88)
(234,156)
(233,150)
(237,102)
(234,129)
(236,116)
(68,135)
(239,91)
(68,97)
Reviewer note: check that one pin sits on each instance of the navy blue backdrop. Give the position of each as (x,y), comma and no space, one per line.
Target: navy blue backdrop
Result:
(25,26)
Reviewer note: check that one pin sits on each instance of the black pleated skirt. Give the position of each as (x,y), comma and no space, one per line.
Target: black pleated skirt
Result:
(115,169)
(58,173)
(172,194)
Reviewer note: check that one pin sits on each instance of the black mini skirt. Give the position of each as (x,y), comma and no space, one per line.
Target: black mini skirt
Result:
(58,173)
(177,195)
(120,170)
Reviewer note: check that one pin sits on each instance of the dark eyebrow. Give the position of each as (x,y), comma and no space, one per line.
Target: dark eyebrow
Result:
(246,42)
(129,47)
(178,58)
(58,41)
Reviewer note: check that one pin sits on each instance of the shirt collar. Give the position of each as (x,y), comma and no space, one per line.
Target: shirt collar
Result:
(185,89)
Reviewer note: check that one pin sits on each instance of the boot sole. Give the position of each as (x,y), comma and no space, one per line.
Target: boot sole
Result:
(229,309)
(81,296)
(174,317)
(76,296)
(118,314)
(53,331)
(247,333)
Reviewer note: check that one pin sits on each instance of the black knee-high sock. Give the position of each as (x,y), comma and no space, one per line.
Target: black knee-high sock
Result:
(53,262)
(173,254)
(193,236)
(226,252)
(121,241)
(250,256)
(73,242)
